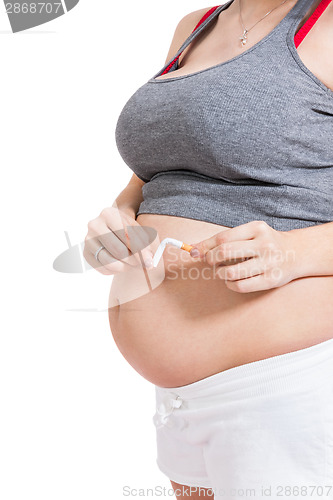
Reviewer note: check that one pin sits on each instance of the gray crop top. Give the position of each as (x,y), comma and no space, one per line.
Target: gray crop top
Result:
(248,139)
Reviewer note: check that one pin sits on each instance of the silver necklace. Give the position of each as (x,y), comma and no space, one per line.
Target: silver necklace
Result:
(243,38)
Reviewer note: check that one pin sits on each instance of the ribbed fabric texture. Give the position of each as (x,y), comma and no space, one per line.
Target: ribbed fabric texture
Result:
(248,139)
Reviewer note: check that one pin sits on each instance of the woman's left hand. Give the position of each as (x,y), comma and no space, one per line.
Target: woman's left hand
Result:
(270,256)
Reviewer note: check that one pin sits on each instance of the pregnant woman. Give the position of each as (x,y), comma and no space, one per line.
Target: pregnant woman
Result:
(231,145)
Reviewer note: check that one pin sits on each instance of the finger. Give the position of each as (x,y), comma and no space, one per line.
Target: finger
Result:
(112,265)
(229,251)
(140,239)
(254,284)
(90,259)
(246,269)
(113,237)
(246,231)
(117,267)
(102,235)
(130,233)
(104,258)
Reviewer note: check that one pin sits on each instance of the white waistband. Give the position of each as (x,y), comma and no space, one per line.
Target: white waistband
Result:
(279,373)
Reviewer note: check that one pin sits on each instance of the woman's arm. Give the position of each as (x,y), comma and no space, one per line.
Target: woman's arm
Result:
(273,258)
(130,198)
(313,247)
(128,201)
(109,248)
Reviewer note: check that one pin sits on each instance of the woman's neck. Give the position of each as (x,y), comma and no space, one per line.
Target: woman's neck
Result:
(257,8)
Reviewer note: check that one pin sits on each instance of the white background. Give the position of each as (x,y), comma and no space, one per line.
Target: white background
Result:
(76,419)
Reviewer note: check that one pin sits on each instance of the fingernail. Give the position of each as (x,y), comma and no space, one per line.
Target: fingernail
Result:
(195,252)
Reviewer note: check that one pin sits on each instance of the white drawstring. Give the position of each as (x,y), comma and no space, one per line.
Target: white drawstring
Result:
(161,417)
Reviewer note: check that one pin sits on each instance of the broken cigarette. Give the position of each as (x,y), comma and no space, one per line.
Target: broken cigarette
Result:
(170,241)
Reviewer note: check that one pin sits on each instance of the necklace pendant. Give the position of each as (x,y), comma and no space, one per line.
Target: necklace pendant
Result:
(243,38)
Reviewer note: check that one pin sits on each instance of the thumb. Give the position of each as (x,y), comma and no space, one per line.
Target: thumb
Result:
(139,241)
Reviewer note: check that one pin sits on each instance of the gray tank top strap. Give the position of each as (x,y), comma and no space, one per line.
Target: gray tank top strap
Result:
(193,35)
(247,139)
(287,25)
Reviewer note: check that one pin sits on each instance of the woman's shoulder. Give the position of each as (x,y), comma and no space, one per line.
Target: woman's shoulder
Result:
(184,28)
(194,16)
(188,22)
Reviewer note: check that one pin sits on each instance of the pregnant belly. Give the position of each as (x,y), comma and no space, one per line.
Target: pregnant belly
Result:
(179,323)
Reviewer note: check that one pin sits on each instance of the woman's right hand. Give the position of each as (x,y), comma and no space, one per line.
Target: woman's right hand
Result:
(126,243)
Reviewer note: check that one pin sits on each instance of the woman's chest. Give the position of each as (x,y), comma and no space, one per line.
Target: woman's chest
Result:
(228,121)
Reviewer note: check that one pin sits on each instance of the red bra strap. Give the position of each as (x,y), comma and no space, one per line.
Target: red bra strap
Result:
(299,37)
(204,17)
(304,30)
(197,26)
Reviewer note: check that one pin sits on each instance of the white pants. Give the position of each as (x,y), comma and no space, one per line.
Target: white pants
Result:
(259,430)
